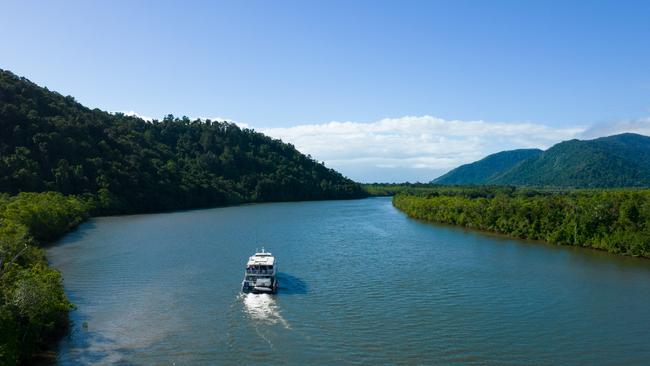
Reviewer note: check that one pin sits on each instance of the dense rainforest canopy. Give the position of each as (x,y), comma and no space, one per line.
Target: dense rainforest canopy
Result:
(61,162)
(49,142)
(616,220)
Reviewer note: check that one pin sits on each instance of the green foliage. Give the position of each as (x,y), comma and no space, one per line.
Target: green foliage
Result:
(52,143)
(48,215)
(93,162)
(431,189)
(617,221)
(39,298)
(10,333)
(391,189)
(33,305)
(487,169)
(608,162)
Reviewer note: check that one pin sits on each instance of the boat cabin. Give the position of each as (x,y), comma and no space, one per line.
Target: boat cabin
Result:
(260,264)
(260,275)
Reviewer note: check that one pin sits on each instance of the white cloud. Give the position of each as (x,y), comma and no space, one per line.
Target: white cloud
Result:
(420,148)
(222,119)
(136,114)
(415,148)
(639,125)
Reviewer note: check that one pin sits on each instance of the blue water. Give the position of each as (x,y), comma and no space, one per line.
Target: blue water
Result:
(360,284)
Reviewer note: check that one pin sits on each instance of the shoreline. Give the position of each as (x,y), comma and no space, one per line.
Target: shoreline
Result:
(465,204)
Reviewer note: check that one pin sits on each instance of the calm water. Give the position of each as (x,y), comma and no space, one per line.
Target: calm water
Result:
(360,284)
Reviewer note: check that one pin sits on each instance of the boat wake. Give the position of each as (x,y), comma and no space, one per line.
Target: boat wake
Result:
(263,308)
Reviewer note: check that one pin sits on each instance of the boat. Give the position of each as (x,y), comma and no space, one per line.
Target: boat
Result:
(260,275)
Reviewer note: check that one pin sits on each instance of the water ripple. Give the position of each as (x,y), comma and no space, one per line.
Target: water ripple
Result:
(359,284)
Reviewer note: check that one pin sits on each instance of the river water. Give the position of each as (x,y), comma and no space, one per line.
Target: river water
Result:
(360,283)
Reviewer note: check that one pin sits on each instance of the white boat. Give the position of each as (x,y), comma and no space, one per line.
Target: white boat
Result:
(260,275)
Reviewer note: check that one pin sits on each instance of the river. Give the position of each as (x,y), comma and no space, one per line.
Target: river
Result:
(360,283)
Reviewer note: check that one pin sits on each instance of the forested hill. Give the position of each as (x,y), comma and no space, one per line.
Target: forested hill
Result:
(607,162)
(49,142)
(486,169)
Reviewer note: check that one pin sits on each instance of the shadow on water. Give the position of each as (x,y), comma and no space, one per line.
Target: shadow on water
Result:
(91,347)
(291,285)
(78,234)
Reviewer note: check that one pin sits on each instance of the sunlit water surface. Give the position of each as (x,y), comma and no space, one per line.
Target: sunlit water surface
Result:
(360,283)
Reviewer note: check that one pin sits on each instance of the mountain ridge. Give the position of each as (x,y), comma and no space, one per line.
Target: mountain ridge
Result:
(484,170)
(621,160)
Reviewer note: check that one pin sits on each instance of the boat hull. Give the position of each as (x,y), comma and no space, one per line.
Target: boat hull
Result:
(260,273)
(259,289)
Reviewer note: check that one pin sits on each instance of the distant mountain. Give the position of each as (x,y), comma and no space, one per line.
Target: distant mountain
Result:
(49,142)
(488,168)
(607,162)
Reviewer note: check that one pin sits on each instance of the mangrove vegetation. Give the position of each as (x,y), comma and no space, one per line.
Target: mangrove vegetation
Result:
(617,220)
(33,305)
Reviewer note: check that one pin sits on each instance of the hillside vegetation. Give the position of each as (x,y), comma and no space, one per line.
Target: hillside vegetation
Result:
(487,169)
(607,162)
(86,161)
(49,142)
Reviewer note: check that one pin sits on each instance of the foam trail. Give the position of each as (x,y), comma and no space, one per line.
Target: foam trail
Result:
(263,307)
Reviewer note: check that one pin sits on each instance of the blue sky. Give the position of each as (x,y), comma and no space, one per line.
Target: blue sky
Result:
(406,81)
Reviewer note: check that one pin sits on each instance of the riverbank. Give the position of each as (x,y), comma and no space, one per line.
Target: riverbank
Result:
(617,221)
(34,308)
(147,286)
(33,305)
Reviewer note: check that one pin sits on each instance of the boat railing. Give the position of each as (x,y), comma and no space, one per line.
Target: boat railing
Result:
(260,271)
